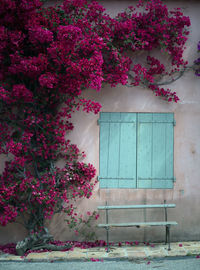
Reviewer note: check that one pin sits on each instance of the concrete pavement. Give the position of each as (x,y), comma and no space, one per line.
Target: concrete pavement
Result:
(124,252)
(184,263)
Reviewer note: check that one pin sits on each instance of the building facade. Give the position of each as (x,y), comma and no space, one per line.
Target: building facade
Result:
(145,151)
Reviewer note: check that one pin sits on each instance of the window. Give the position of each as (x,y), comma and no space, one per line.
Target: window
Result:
(136,150)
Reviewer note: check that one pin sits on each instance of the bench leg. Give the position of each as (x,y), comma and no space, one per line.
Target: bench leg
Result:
(167,237)
(107,239)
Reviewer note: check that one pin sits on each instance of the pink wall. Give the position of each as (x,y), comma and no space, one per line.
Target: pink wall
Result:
(187,151)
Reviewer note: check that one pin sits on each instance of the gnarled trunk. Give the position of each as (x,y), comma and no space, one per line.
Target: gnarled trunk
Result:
(38,241)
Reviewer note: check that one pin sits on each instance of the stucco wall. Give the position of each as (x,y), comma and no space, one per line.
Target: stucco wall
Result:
(186,146)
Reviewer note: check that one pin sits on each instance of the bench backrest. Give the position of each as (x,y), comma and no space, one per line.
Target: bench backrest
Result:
(142,206)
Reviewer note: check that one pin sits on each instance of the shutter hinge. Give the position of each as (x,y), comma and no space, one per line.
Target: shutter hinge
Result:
(174,179)
(174,122)
(98,122)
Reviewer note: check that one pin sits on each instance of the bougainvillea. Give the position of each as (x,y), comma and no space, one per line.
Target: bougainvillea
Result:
(197,62)
(48,56)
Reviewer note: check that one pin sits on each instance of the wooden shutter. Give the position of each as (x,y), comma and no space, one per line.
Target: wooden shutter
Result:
(117,150)
(155,143)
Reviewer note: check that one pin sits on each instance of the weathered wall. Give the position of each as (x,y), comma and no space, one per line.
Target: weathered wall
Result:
(186,157)
(186,146)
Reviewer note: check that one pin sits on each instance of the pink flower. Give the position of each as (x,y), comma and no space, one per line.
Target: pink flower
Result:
(96,260)
(40,34)
(69,5)
(21,93)
(69,33)
(96,216)
(48,80)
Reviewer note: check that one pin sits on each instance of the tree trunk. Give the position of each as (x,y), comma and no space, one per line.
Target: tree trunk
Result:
(38,241)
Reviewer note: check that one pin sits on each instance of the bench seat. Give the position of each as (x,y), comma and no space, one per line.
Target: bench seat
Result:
(139,224)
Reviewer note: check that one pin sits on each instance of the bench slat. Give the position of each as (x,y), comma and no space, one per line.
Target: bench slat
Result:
(140,224)
(142,206)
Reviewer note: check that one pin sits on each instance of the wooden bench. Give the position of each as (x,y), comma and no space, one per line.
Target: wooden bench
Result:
(165,223)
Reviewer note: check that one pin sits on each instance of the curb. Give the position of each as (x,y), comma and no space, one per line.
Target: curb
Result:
(131,253)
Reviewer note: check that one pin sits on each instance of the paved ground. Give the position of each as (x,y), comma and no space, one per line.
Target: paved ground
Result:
(131,253)
(186,263)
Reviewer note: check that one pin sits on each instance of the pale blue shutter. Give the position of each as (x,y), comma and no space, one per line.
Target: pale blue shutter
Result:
(117,150)
(155,143)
